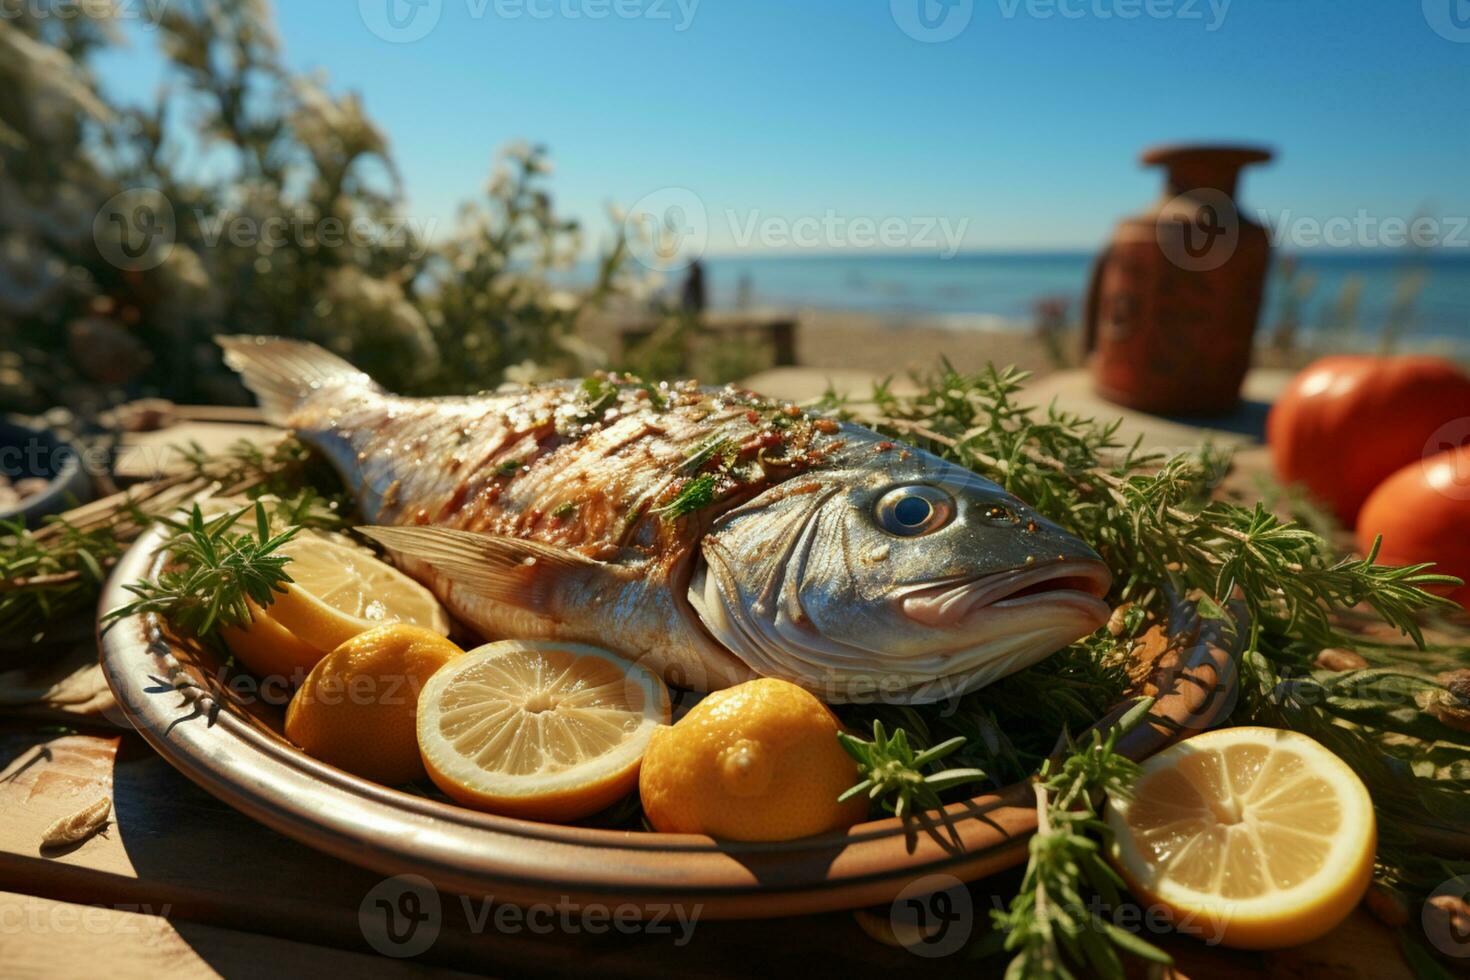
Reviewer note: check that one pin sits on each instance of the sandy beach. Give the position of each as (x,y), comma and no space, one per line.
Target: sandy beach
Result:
(884,345)
(861,345)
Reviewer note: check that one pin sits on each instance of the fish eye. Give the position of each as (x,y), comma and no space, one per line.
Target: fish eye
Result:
(911,511)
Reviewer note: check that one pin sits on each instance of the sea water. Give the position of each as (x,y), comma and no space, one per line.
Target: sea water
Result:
(1353,294)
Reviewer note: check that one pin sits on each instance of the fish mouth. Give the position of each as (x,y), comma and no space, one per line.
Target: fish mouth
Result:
(1073,584)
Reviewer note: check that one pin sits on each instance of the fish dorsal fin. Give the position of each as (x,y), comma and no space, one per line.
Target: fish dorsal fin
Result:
(512,571)
(283,373)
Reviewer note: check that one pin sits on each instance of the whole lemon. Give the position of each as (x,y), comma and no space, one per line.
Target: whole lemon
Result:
(759,761)
(357,707)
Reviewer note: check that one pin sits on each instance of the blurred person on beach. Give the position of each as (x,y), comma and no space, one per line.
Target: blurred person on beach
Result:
(692,298)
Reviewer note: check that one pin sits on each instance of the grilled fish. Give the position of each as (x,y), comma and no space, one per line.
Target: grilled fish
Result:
(710,534)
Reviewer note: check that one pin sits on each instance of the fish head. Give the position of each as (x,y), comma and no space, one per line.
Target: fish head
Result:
(893,573)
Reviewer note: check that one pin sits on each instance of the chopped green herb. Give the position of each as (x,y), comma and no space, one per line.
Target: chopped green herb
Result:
(599,395)
(655,397)
(716,447)
(695,494)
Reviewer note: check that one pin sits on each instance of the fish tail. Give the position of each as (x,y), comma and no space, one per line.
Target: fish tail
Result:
(283,373)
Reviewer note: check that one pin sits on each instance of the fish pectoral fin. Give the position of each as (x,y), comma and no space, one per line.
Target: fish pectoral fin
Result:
(512,571)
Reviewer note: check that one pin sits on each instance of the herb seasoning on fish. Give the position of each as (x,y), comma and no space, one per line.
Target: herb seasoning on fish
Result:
(709,534)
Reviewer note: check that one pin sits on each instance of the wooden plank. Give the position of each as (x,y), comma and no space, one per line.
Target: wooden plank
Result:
(148,455)
(44,939)
(247,414)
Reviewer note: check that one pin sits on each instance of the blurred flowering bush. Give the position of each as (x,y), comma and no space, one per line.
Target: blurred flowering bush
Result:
(247,199)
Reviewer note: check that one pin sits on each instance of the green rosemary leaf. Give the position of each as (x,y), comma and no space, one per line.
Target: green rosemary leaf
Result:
(855,747)
(939,751)
(940,781)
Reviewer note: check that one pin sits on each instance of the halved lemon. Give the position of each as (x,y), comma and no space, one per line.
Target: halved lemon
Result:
(339,591)
(541,730)
(1256,838)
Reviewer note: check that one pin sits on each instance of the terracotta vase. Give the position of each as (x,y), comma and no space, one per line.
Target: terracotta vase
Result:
(1173,302)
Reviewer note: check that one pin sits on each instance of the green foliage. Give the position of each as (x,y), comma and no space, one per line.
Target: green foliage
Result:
(51,576)
(287,469)
(486,290)
(296,226)
(1009,728)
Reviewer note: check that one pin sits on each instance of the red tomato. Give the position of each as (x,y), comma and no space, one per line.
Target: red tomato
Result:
(1423,513)
(1346,422)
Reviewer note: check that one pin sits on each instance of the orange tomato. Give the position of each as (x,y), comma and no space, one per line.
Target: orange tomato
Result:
(1423,513)
(1346,422)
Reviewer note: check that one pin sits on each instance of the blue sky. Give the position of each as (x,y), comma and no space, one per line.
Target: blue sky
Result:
(1026,125)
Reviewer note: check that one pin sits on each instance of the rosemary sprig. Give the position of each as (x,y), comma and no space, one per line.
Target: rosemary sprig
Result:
(1011,726)
(893,773)
(214,572)
(1050,922)
(50,576)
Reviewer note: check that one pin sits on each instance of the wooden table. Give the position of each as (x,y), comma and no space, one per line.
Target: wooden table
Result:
(182,885)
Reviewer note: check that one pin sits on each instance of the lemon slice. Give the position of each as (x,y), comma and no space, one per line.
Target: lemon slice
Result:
(1253,837)
(339,591)
(268,649)
(542,730)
